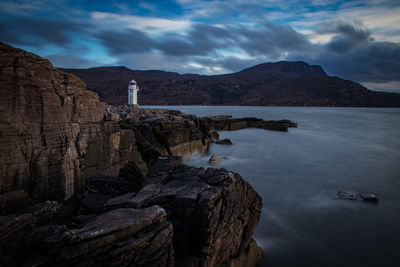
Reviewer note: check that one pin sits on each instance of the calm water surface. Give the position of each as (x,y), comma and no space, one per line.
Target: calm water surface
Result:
(352,149)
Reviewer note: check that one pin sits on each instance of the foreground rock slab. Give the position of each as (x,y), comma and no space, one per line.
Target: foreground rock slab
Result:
(214,212)
(121,237)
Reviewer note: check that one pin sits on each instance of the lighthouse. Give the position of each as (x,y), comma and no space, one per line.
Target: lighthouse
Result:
(133,88)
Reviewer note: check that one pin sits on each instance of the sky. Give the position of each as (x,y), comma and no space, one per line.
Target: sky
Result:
(356,40)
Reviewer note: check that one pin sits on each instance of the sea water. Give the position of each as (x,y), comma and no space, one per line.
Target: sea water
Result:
(296,172)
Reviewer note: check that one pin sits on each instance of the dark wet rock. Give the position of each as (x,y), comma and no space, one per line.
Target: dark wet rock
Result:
(44,212)
(227,123)
(94,202)
(225,141)
(174,137)
(109,185)
(164,134)
(214,211)
(18,236)
(345,195)
(212,133)
(369,197)
(250,257)
(215,159)
(132,173)
(121,237)
(123,201)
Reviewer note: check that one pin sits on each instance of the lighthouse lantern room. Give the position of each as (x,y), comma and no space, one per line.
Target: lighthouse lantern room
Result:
(133,88)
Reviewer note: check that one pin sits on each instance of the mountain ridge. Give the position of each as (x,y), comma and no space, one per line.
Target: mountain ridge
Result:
(283,83)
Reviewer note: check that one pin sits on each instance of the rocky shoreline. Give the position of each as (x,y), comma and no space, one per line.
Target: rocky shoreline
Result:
(83,183)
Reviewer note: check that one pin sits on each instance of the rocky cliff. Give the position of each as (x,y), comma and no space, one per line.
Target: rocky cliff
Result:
(52,132)
(274,84)
(85,184)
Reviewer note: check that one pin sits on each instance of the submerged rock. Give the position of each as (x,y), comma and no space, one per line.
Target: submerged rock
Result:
(345,195)
(369,197)
(225,141)
(215,159)
(354,196)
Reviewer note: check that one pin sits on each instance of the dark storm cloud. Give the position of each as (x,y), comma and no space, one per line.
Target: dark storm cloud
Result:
(37,32)
(272,40)
(372,61)
(200,40)
(204,40)
(348,36)
(353,54)
(124,42)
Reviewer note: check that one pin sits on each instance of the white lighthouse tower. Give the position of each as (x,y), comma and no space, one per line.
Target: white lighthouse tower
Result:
(133,88)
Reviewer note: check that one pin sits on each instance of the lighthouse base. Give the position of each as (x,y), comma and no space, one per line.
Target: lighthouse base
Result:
(133,105)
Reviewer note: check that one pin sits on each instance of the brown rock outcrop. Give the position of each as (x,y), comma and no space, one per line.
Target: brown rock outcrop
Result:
(52,133)
(214,212)
(172,135)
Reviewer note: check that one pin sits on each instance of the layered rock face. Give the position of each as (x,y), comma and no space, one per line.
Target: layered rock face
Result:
(52,132)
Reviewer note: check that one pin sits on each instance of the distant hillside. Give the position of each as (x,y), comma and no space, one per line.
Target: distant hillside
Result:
(273,84)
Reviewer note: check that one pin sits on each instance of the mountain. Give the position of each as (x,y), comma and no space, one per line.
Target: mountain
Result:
(272,84)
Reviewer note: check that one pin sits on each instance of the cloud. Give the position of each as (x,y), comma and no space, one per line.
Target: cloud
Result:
(149,25)
(347,35)
(38,32)
(71,61)
(353,54)
(383,86)
(127,41)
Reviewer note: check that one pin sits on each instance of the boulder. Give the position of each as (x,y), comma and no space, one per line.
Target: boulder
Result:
(345,195)
(369,197)
(215,159)
(225,141)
